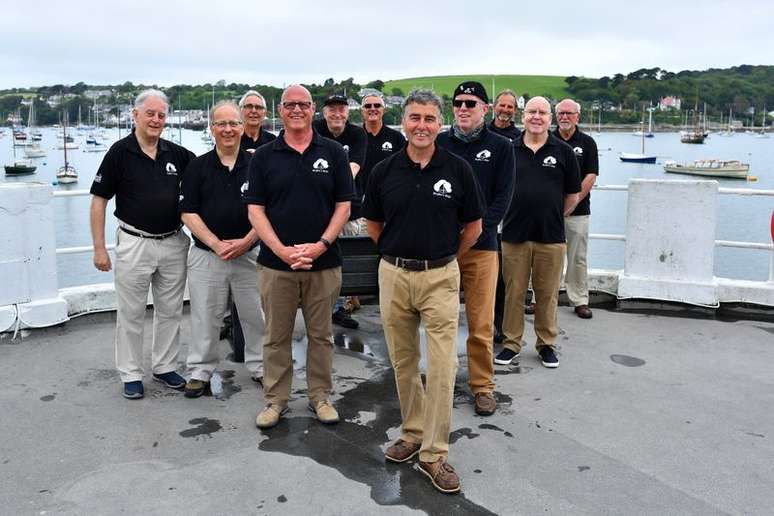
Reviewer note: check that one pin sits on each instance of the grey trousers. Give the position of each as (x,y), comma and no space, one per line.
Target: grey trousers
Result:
(209,281)
(143,263)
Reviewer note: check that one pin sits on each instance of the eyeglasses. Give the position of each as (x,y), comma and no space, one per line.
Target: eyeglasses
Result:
(372,106)
(222,124)
(566,113)
(470,104)
(532,112)
(250,107)
(302,105)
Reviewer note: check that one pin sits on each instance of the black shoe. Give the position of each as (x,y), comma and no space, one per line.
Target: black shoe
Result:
(506,356)
(548,357)
(134,390)
(195,388)
(499,337)
(342,318)
(170,379)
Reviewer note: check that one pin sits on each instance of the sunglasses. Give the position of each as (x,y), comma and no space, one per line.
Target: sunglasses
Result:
(372,106)
(470,104)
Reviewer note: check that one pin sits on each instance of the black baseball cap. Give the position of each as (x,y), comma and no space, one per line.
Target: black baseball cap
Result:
(471,88)
(336,98)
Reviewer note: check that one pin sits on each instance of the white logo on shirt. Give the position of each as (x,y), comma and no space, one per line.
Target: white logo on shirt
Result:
(98,178)
(442,188)
(550,161)
(578,151)
(387,147)
(180,199)
(346,148)
(484,155)
(245,186)
(171,170)
(320,166)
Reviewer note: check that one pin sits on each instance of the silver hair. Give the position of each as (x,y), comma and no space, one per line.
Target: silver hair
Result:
(506,92)
(577,106)
(146,94)
(219,104)
(251,93)
(424,97)
(377,94)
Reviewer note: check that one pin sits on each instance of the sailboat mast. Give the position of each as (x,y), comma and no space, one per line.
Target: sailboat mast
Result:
(64,139)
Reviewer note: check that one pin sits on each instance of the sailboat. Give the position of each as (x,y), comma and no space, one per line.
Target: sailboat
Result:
(19,166)
(630,157)
(763,133)
(67,141)
(67,173)
(730,130)
(33,150)
(695,134)
(649,134)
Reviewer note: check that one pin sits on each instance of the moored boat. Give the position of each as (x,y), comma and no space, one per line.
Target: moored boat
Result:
(710,167)
(20,167)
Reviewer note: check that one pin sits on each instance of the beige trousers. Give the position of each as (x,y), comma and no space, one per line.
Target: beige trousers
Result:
(281,293)
(576,280)
(210,279)
(160,265)
(407,298)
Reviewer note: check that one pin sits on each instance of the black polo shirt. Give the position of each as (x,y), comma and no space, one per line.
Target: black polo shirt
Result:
(354,141)
(491,157)
(585,149)
(214,192)
(300,192)
(146,190)
(423,210)
(511,132)
(263,137)
(380,146)
(542,180)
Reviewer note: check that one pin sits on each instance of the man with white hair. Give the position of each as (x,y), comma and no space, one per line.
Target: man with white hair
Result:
(253,107)
(144,172)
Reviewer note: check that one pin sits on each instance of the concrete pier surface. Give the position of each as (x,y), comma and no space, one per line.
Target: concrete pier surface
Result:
(646,414)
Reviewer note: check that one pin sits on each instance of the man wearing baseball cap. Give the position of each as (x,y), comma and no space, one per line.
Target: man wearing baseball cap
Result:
(491,157)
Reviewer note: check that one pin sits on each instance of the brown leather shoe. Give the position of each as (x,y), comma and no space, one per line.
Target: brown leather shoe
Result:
(401,451)
(485,404)
(583,311)
(529,309)
(442,475)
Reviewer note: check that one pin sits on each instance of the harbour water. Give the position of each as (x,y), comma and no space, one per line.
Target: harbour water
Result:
(740,218)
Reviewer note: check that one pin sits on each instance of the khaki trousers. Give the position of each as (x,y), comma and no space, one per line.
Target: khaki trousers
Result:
(209,281)
(432,297)
(160,265)
(281,293)
(479,281)
(544,262)
(576,280)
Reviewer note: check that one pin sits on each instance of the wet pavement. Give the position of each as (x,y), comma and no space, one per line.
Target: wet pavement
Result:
(646,414)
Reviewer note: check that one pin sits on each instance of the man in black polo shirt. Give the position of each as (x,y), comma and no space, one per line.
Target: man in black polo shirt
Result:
(298,195)
(423,209)
(253,108)
(491,157)
(504,113)
(144,173)
(576,225)
(547,186)
(383,141)
(222,260)
(335,125)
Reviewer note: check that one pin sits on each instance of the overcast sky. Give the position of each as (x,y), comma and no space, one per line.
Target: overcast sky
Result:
(281,42)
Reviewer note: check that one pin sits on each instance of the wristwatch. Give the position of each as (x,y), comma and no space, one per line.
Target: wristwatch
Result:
(325,242)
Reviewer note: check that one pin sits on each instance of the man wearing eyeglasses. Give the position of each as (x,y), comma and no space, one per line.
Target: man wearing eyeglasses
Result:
(491,157)
(533,241)
(576,225)
(298,196)
(504,108)
(222,260)
(335,125)
(143,171)
(253,108)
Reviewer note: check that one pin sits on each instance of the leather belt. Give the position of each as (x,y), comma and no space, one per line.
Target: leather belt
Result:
(418,265)
(152,237)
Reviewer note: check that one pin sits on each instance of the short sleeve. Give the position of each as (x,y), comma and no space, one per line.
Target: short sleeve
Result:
(572,176)
(592,155)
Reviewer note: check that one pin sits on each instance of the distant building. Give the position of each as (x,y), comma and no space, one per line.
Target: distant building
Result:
(393,100)
(521,102)
(55,100)
(670,102)
(353,104)
(95,94)
(364,92)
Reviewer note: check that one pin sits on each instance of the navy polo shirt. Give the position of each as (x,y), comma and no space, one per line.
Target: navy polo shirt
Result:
(543,178)
(511,132)
(146,189)
(423,210)
(263,137)
(299,192)
(586,153)
(491,157)
(380,146)
(214,192)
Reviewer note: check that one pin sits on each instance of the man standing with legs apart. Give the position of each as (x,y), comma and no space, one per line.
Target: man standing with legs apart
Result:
(547,186)
(576,225)
(144,173)
(491,157)
(222,259)
(298,195)
(416,202)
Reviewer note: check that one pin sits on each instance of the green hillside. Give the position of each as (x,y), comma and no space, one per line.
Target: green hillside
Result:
(553,86)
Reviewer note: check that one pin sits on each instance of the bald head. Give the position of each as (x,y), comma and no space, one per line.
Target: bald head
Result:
(297,92)
(537,116)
